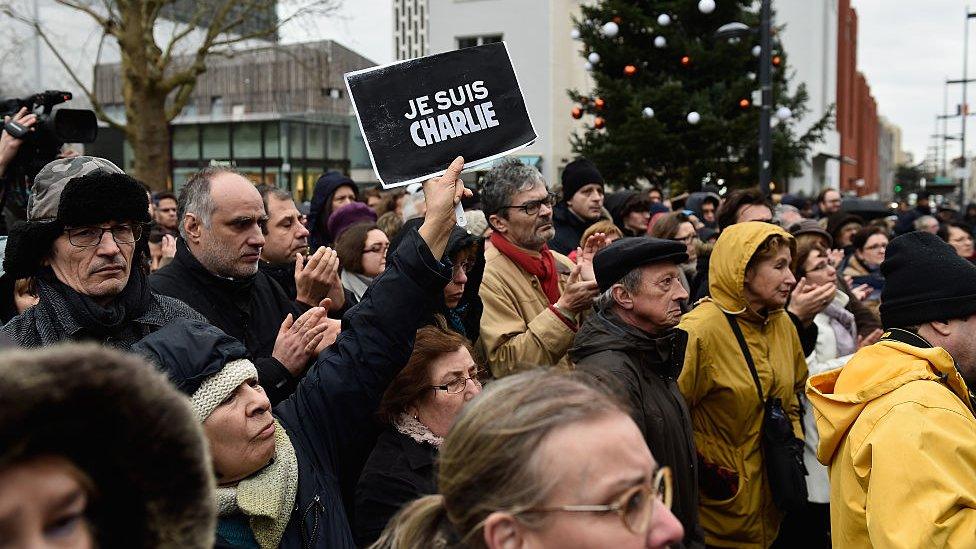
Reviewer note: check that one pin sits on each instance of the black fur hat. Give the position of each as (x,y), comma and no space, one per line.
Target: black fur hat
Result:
(98,195)
(120,422)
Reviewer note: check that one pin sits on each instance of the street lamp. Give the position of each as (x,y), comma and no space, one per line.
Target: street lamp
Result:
(738,30)
(965,107)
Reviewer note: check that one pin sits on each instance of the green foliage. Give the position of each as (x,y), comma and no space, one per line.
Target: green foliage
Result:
(666,149)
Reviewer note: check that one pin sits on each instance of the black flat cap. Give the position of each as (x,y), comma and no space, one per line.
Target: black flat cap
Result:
(626,254)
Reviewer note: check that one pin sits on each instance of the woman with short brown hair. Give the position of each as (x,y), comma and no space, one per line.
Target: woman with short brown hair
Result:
(420,406)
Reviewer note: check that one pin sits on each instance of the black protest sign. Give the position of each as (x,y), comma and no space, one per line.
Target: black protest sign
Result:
(419,115)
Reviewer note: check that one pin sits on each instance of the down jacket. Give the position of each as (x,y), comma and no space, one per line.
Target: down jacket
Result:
(737,508)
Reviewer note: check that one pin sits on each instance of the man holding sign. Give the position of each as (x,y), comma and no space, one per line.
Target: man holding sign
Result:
(534,298)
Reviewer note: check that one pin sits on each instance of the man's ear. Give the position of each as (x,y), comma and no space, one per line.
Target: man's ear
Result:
(942,327)
(192,227)
(503,531)
(498,223)
(622,297)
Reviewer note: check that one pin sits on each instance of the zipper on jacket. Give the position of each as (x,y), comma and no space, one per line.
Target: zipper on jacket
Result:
(309,540)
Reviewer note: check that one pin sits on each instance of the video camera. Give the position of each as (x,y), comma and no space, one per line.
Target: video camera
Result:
(52,130)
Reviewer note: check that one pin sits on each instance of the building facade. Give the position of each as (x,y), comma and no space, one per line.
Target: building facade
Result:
(279,114)
(410,37)
(809,35)
(887,158)
(546,59)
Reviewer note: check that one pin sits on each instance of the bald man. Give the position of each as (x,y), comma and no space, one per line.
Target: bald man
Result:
(215,271)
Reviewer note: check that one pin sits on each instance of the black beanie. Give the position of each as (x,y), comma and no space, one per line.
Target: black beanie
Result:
(577,174)
(925,280)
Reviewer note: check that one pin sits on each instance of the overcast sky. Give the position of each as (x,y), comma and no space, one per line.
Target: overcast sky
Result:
(906,48)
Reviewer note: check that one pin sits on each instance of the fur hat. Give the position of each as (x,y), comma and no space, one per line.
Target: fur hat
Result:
(83,190)
(125,427)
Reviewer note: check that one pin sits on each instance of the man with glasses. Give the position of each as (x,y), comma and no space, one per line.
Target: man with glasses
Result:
(631,344)
(533,297)
(79,244)
(215,271)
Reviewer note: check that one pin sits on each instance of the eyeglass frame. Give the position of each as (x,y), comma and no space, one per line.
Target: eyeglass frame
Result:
(550,200)
(466,266)
(382,248)
(136,228)
(476,378)
(663,477)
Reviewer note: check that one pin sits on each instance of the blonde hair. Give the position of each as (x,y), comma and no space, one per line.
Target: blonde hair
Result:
(489,461)
(606,226)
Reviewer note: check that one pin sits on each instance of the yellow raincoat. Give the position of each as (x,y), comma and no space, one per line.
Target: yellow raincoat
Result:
(726,412)
(898,435)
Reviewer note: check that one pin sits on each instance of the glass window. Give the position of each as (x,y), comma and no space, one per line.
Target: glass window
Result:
(467,42)
(491,39)
(272,140)
(185,145)
(216,105)
(180,175)
(337,143)
(295,135)
(316,142)
(247,140)
(216,142)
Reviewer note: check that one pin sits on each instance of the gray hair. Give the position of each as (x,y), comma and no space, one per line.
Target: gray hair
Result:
(630,282)
(920,222)
(501,183)
(195,196)
(782,209)
(268,191)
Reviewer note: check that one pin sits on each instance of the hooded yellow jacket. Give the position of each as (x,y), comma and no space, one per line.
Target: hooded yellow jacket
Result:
(898,435)
(725,408)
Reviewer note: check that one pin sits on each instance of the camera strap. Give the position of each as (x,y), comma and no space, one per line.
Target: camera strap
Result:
(748,356)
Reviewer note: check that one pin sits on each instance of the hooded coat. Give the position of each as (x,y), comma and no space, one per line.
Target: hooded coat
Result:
(695,201)
(737,508)
(643,369)
(321,207)
(898,435)
(618,204)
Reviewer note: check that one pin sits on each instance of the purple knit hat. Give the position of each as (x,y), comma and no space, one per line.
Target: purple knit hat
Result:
(347,216)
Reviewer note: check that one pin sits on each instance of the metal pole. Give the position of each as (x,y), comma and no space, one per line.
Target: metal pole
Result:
(766,86)
(945,129)
(965,108)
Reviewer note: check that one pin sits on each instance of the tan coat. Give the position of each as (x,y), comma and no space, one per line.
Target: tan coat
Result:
(518,329)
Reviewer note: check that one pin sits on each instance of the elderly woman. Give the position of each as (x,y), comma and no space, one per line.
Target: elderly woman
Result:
(542,460)
(420,407)
(98,450)
(864,265)
(750,282)
(362,255)
(283,475)
(677,226)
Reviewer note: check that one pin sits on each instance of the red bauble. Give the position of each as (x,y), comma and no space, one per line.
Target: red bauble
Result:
(599,103)
(744,103)
(598,123)
(630,70)
(685,61)
(618,20)
(577,113)
(777,60)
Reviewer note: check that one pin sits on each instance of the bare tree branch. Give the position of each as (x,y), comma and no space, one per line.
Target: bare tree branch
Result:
(105,22)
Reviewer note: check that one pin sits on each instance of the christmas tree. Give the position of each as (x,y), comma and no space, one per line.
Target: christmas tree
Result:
(673,103)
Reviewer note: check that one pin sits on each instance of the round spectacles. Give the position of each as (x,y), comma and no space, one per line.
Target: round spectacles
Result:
(456,386)
(466,266)
(532,207)
(86,237)
(635,506)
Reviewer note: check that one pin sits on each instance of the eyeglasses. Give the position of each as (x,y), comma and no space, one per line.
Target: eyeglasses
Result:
(465,266)
(635,506)
(458,385)
(666,284)
(876,246)
(532,207)
(86,237)
(687,240)
(377,248)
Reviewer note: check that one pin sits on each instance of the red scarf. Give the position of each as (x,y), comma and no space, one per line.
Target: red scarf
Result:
(542,266)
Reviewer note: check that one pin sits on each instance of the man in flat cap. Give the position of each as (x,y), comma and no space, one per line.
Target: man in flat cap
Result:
(84,219)
(632,345)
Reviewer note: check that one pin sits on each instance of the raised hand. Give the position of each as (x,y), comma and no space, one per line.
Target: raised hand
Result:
(442,195)
(584,255)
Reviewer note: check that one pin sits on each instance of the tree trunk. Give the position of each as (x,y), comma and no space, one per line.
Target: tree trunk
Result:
(148,133)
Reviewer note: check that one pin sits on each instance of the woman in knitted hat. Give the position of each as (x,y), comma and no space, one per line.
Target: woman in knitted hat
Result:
(99,450)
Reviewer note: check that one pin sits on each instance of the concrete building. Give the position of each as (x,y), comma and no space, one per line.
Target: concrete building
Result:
(410,24)
(280,114)
(809,36)
(546,59)
(887,158)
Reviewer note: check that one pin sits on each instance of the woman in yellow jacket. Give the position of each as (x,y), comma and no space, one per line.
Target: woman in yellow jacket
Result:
(750,279)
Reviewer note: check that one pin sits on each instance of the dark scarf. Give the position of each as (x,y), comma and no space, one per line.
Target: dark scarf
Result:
(100,321)
(238,290)
(542,266)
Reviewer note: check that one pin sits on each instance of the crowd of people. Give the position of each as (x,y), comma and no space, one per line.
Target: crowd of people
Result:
(579,368)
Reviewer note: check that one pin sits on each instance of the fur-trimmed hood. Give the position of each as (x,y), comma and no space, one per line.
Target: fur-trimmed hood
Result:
(121,423)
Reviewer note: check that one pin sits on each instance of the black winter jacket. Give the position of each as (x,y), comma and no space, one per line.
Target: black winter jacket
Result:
(569,229)
(334,404)
(251,311)
(644,371)
(399,470)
